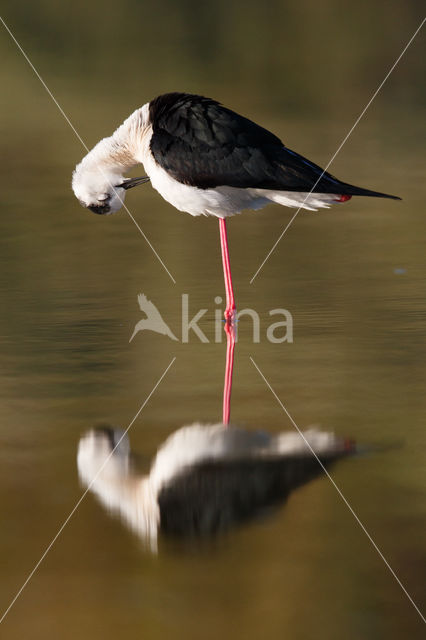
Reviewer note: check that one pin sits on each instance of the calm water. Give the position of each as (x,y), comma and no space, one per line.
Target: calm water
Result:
(353,278)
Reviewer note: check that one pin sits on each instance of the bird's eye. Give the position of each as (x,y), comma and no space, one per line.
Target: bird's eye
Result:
(103,197)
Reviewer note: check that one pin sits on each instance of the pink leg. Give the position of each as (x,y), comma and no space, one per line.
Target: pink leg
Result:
(229,367)
(229,322)
(230,301)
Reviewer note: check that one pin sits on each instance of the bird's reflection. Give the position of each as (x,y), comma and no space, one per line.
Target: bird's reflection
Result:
(204,479)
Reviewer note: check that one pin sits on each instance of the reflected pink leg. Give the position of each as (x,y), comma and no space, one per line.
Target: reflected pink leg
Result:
(230,301)
(229,367)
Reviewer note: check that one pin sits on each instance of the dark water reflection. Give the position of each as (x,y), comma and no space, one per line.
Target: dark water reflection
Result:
(69,284)
(205,479)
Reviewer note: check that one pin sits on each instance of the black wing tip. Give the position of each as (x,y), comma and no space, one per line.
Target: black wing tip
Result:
(350,190)
(383,195)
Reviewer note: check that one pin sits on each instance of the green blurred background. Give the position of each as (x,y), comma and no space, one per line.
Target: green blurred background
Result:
(353,277)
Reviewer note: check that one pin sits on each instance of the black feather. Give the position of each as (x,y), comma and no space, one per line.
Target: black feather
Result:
(215,495)
(203,144)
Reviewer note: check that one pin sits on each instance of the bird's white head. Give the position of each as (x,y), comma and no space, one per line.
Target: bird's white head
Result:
(98,180)
(101,191)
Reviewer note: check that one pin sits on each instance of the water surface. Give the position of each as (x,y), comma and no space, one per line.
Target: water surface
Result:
(352,277)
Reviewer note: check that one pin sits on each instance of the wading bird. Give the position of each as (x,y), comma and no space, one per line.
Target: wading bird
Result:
(205,479)
(206,160)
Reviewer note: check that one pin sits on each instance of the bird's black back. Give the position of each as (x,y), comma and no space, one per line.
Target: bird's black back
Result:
(203,144)
(213,496)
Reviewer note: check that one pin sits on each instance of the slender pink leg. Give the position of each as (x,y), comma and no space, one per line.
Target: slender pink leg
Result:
(229,322)
(230,301)
(229,367)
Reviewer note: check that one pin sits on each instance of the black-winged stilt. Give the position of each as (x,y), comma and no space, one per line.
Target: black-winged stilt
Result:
(206,160)
(204,479)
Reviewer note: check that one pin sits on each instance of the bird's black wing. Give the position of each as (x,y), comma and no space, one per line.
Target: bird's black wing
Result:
(213,496)
(201,143)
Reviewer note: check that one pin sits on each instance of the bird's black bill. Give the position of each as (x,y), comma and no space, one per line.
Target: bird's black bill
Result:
(132,182)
